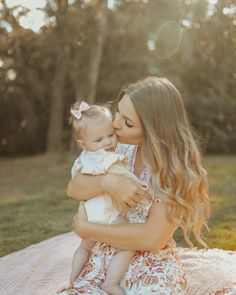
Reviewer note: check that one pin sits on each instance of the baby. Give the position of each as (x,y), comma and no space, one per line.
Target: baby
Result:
(95,134)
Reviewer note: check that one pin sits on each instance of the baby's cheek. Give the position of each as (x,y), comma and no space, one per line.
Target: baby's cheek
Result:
(94,148)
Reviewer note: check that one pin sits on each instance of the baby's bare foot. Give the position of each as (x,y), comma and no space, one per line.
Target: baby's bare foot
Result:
(73,278)
(112,289)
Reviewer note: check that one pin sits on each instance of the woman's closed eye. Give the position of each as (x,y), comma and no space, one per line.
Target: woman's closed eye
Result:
(128,124)
(99,140)
(112,134)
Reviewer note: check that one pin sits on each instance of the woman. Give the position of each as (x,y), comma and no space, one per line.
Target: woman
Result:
(155,134)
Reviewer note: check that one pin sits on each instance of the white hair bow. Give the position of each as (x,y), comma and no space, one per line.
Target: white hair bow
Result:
(78,113)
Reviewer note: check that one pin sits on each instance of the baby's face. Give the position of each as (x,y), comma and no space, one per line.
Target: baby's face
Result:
(100,135)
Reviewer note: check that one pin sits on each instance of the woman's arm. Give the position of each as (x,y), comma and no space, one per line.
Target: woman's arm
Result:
(149,236)
(84,187)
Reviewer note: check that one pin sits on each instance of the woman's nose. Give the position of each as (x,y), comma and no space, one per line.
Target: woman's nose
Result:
(116,122)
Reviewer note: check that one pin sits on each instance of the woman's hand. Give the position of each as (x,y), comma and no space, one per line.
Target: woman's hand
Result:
(124,190)
(80,220)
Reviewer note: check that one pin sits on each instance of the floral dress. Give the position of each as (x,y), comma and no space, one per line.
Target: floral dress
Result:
(149,273)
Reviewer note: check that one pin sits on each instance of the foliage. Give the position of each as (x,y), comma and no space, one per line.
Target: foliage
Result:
(190,42)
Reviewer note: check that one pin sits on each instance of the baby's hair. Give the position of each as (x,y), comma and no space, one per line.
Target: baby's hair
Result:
(93,112)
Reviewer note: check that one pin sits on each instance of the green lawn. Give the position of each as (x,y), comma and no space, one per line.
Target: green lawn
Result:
(34,205)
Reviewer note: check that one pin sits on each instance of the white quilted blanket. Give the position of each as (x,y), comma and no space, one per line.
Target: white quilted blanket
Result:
(45,267)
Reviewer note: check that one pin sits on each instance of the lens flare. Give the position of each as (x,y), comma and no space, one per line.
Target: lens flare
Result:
(166,40)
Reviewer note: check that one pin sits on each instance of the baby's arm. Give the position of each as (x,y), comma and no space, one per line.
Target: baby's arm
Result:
(80,258)
(84,187)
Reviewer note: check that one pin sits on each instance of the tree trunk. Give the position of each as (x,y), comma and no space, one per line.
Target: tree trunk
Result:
(94,63)
(96,52)
(55,129)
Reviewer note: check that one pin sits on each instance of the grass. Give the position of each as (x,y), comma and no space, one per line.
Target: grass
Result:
(33,201)
(34,205)
(222,171)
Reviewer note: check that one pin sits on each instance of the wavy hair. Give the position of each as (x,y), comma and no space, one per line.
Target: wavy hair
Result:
(171,152)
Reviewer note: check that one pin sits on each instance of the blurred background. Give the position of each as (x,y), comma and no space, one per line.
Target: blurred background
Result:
(53,52)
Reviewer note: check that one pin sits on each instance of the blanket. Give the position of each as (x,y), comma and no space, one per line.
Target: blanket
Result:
(45,267)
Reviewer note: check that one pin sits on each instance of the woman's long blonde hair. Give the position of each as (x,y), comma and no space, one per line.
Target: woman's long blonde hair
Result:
(171,153)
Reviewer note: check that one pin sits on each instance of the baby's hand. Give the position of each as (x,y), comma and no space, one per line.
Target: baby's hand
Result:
(123,189)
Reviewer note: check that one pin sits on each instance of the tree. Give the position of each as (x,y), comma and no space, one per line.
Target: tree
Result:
(55,128)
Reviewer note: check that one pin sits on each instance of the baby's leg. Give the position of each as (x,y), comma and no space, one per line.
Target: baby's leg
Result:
(117,268)
(80,258)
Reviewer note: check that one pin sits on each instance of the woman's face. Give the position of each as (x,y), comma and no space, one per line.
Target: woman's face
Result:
(126,123)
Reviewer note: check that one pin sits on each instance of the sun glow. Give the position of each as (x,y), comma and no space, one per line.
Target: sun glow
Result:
(34,19)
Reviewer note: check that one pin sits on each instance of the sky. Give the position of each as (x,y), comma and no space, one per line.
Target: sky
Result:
(35,18)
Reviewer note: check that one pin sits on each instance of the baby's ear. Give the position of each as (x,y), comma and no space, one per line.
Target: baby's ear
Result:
(81,143)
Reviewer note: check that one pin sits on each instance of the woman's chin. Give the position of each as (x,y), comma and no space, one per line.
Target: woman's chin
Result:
(124,140)
(121,139)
